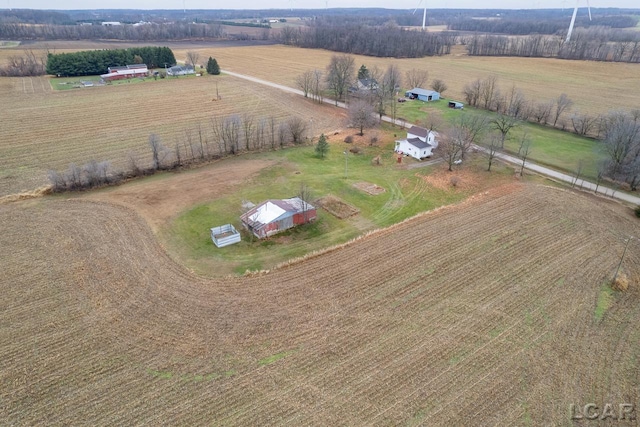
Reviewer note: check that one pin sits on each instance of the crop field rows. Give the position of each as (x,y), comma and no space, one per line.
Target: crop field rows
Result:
(482,311)
(46,130)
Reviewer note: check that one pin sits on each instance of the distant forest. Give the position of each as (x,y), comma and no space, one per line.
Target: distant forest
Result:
(373,32)
(381,41)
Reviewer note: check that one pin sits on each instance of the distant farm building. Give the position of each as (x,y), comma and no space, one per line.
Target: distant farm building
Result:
(456,105)
(225,235)
(111,23)
(126,72)
(180,70)
(418,144)
(274,216)
(422,94)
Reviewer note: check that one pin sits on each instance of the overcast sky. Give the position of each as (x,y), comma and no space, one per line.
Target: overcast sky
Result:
(307,4)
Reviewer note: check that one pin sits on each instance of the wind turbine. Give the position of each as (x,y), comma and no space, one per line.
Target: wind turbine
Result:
(573,19)
(424,14)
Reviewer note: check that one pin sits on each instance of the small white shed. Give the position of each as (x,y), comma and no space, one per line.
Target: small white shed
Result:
(225,235)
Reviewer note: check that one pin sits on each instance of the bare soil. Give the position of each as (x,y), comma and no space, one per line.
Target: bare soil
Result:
(369,188)
(482,311)
(336,207)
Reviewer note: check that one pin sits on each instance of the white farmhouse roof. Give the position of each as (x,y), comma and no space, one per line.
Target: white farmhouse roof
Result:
(266,213)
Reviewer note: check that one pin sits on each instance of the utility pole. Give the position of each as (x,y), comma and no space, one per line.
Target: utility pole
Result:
(346,164)
(615,276)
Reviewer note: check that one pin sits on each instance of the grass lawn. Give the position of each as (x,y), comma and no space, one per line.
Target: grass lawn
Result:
(551,147)
(5,43)
(66,83)
(407,193)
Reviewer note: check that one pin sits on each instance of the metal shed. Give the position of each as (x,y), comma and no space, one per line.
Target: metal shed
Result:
(225,235)
(274,216)
(422,94)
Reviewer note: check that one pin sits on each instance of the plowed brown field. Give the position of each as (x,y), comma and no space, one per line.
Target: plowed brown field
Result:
(476,314)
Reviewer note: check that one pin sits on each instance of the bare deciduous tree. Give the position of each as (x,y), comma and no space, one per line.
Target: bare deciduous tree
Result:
(304,193)
(503,124)
(192,58)
(583,123)
(439,86)
(304,82)
(491,149)
(156,150)
(541,111)
(316,85)
(449,148)
(579,168)
(283,133)
(472,92)
(231,133)
(297,127)
(392,81)
(340,75)
(525,149)
(416,77)
(361,114)
(248,129)
(516,103)
(561,104)
(468,129)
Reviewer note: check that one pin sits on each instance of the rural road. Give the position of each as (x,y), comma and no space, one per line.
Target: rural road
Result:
(504,157)
(281,87)
(586,185)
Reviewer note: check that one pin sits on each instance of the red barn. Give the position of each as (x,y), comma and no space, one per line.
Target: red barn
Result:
(274,216)
(126,72)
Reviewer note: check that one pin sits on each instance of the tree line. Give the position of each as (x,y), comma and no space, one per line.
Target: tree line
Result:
(386,41)
(619,131)
(536,26)
(92,62)
(147,32)
(594,45)
(221,136)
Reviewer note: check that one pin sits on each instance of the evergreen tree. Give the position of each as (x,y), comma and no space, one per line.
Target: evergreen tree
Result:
(213,67)
(322,147)
(363,73)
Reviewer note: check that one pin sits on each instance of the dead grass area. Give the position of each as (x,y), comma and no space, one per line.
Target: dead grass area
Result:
(369,188)
(336,207)
(158,200)
(462,179)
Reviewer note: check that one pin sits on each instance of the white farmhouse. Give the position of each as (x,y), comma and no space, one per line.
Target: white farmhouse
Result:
(418,144)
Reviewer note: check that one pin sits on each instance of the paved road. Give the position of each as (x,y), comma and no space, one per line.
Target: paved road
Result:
(504,157)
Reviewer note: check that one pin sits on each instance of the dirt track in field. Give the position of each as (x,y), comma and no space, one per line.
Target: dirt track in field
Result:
(157,201)
(480,313)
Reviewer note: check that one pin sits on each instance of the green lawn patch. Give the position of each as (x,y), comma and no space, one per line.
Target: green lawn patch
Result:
(605,300)
(551,147)
(274,358)
(407,194)
(6,43)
